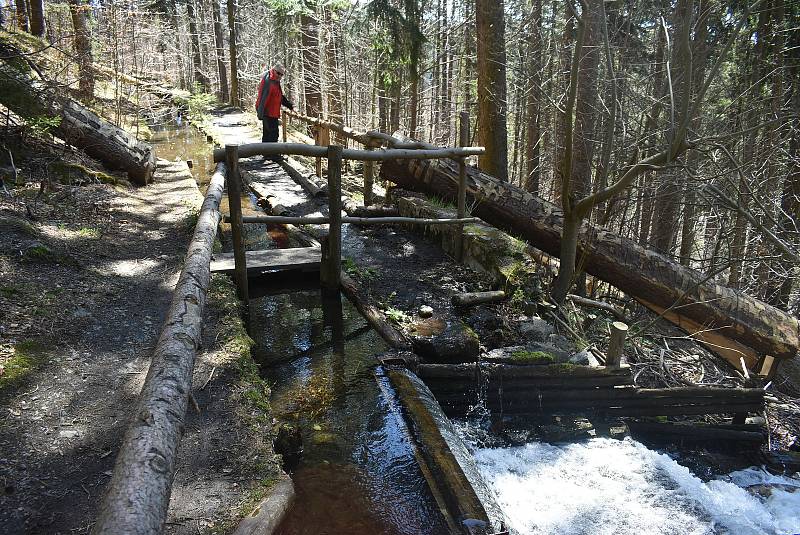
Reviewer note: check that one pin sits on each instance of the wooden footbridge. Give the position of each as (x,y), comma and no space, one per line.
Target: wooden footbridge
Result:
(138,494)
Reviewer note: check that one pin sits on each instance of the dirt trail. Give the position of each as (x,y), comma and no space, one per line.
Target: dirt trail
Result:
(85,288)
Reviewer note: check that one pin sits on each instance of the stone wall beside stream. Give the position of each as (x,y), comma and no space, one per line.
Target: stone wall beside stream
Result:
(486,249)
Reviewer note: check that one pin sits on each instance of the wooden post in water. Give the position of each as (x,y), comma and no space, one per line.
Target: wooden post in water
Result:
(237,227)
(330,270)
(619,331)
(462,182)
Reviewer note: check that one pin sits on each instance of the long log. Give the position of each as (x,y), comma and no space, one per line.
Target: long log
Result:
(33,98)
(476,298)
(379,155)
(640,272)
(307,183)
(695,432)
(324,220)
(138,495)
(373,316)
(444,473)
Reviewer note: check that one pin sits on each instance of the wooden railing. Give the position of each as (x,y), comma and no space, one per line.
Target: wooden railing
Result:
(330,269)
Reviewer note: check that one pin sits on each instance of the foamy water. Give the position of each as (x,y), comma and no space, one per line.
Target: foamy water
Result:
(616,487)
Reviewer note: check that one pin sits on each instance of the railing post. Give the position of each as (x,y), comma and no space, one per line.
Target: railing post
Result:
(369,177)
(284,122)
(330,271)
(237,227)
(619,331)
(462,182)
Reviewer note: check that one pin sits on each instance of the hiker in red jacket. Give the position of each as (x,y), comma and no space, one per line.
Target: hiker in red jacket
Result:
(268,104)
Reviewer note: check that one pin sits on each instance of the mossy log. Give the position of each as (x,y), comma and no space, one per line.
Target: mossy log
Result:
(34,99)
(749,325)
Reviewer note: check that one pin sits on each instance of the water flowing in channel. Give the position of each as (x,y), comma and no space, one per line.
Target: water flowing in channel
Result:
(606,486)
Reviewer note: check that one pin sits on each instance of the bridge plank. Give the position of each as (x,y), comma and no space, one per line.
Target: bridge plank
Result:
(304,258)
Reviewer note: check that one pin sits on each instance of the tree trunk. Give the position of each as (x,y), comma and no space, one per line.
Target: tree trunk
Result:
(669,195)
(335,113)
(83,48)
(219,38)
(22,14)
(309,37)
(620,261)
(233,53)
(534,100)
(586,105)
(117,149)
(197,62)
(137,497)
(492,103)
(37,17)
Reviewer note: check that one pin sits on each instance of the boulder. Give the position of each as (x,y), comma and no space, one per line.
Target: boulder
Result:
(535,329)
(456,343)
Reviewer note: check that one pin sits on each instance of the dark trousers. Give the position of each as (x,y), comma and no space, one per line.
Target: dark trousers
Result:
(270,134)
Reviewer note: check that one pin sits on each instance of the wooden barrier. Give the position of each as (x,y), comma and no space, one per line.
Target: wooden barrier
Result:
(138,495)
(378,155)
(324,220)
(330,270)
(549,389)
(235,206)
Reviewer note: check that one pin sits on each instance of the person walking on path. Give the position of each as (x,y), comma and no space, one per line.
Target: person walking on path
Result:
(269,101)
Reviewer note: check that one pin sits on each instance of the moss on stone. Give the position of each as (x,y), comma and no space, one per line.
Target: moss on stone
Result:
(532,357)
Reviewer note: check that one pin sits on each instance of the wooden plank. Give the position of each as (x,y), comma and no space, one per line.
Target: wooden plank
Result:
(305,258)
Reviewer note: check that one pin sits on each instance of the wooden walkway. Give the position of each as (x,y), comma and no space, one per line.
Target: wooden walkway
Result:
(302,258)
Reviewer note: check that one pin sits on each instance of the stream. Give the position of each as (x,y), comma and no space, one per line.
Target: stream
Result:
(358,474)
(620,487)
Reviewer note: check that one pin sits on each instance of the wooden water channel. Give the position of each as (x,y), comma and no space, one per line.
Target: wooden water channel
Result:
(138,494)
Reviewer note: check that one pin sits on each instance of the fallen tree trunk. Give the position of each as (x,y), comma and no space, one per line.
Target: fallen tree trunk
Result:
(478,298)
(32,98)
(374,317)
(754,327)
(138,495)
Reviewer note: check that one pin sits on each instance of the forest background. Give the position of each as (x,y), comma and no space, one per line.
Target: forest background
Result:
(672,123)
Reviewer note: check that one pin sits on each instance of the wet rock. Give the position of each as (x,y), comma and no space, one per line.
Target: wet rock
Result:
(425,311)
(755,420)
(561,342)
(289,444)
(535,329)
(529,354)
(456,343)
(483,319)
(581,358)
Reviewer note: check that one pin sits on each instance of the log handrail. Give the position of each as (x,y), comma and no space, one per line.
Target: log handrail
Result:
(301,149)
(324,220)
(137,498)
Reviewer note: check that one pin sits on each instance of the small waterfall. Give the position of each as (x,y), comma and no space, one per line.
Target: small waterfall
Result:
(606,486)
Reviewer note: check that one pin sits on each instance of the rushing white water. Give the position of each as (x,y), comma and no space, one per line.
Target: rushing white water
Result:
(616,487)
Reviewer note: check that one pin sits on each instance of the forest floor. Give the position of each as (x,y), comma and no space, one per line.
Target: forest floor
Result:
(87,272)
